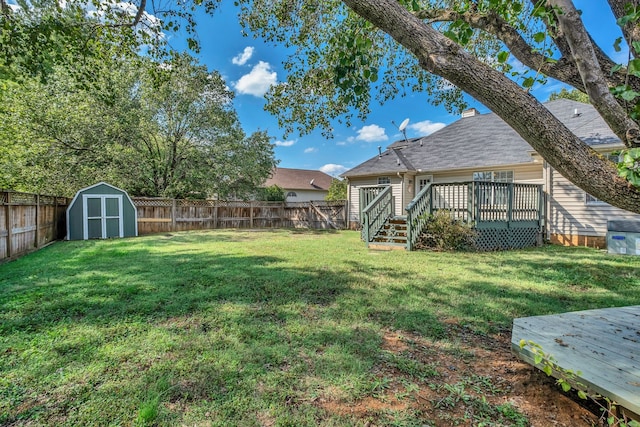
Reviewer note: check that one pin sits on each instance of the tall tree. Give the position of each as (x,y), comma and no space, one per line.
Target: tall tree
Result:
(573,94)
(347,49)
(193,143)
(78,103)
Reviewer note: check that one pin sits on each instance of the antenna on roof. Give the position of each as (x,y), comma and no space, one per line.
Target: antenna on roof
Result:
(402,128)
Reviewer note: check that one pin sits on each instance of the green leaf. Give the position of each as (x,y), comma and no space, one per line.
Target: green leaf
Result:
(616,44)
(547,370)
(503,56)
(528,82)
(582,395)
(523,343)
(634,67)
(537,359)
(629,95)
(565,386)
(539,37)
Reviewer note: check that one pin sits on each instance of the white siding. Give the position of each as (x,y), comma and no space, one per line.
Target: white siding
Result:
(570,216)
(354,195)
(306,195)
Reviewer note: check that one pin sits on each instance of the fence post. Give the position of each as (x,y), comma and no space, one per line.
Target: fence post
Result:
(9,226)
(215,214)
(37,238)
(250,214)
(55,217)
(173,215)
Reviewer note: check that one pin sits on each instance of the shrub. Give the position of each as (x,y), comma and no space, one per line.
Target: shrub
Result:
(273,193)
(444,233)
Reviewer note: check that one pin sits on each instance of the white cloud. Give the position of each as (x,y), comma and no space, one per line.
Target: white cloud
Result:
(372,133)
(310,150)
(426,127)
(333,169)
(284,143)
(258,81)
(123,13)
(242,58)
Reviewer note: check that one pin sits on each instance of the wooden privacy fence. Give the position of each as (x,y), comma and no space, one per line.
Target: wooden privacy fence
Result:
(165,215)
(29,221)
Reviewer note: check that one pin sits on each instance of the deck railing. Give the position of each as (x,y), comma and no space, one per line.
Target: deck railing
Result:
(367,194)
(507,203)
(376,213)
(485,204)
(417,213)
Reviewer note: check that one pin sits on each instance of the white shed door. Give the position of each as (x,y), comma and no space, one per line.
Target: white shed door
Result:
(102,216)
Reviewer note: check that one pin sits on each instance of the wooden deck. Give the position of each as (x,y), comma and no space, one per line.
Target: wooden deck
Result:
(603,344)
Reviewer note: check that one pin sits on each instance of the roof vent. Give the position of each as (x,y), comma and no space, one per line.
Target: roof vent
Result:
(576,114)
(379,152)
(470,113)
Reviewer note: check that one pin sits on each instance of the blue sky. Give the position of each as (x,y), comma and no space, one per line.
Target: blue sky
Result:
(250,66)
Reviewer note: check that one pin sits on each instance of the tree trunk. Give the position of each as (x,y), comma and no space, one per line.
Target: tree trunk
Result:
(563,150)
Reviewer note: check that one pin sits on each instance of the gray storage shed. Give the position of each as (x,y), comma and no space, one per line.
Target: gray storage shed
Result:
(101,211)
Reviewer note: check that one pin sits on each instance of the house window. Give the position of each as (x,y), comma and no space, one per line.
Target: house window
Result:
(382,180)
(591,200)
(423,181)
(493,195)
(292,194)
(493,176)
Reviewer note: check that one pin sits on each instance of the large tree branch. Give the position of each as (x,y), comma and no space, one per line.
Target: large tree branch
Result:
(492,23)
(549,137)
(631,30)
(564,69)
(595,83)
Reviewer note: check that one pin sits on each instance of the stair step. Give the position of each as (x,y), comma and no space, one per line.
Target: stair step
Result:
(396,239)
(391,235)
(385,246)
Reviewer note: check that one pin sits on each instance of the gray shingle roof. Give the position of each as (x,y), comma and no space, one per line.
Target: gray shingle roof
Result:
(299,179)
(481,141)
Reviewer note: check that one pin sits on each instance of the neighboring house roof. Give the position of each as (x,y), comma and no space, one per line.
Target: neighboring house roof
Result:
(299,179)
(479,141)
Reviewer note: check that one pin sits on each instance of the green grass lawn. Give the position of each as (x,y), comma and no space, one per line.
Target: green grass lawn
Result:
(254,327)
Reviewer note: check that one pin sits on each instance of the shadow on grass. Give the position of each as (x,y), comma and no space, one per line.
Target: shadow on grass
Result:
(165,326)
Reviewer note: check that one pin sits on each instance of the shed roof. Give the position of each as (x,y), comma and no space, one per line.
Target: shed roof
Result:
(299,179)
(481,140)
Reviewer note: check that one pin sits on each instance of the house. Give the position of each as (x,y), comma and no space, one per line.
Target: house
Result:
(482,147)
(300,185)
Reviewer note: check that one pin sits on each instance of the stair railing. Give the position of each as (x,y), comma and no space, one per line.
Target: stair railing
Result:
(376,213)
(417,212)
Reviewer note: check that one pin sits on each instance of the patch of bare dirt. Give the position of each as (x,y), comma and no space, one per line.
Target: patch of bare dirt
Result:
(467,380)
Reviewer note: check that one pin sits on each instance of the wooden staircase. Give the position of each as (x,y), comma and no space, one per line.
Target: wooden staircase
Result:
(392,235)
